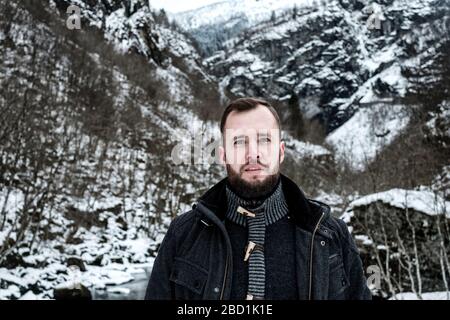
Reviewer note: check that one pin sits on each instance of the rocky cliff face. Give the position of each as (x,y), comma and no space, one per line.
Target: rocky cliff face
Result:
(213,24)
(335,55)
(136,27)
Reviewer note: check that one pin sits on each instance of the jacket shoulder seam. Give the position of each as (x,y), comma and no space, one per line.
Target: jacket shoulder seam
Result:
(344,234)
(181,220)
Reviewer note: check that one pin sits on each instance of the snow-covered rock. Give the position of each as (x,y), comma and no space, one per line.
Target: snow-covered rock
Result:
(423,201)
(402,234)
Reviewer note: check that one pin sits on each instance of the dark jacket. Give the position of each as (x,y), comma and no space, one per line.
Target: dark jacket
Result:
(195,257)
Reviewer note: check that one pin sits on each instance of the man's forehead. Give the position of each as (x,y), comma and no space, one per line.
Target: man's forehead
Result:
(250,131)
(258,118)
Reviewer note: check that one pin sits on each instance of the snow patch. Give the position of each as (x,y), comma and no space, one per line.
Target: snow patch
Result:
(367,133)
(423,201)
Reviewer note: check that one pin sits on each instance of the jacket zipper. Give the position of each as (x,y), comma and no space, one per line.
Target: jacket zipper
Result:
(311,254)
(227,262)
(224,277)
(310,262)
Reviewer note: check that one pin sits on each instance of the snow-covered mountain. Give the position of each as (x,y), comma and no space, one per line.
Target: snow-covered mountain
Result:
(340,59)
(134,26)
(213,24)
(253,11)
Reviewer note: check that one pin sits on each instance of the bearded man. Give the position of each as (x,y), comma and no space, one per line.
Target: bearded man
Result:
(255,235)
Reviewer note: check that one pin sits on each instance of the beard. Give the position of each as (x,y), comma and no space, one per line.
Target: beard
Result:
(254,189)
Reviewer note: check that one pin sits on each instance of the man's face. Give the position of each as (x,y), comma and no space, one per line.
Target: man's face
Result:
(252,151)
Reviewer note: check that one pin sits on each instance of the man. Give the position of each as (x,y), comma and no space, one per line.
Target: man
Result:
(254,235)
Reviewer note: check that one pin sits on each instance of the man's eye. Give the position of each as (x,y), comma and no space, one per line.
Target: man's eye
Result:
(239,142)
(264,140)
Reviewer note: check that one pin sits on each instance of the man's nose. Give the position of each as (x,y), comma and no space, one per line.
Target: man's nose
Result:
(252,155)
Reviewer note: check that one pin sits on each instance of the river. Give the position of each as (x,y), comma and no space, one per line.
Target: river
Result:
(134,290)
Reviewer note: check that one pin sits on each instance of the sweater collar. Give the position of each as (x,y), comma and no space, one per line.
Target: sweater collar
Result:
(304,212)
(273,206)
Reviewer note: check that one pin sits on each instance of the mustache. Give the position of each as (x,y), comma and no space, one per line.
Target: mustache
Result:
(253,163)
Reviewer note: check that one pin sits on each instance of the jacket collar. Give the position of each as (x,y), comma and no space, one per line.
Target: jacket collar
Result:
(305,213)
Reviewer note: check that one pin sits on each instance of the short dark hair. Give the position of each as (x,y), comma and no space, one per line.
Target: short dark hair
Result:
(244,104)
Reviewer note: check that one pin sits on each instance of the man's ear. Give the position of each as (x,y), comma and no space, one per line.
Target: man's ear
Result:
(282,146)
(222,156)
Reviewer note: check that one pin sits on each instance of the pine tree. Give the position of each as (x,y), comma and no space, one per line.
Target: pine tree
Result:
(273,17)
(295,122)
